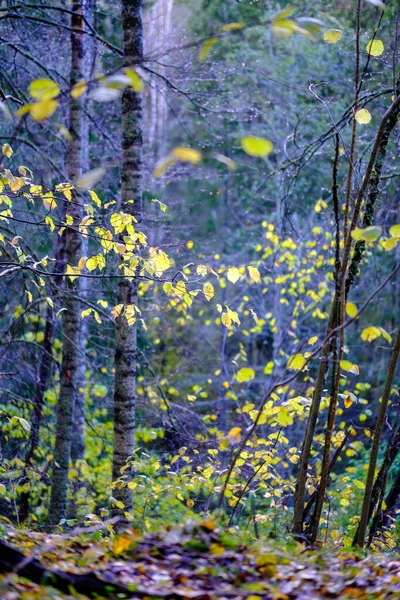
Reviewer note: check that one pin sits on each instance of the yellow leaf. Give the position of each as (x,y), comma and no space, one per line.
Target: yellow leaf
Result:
(370,333)
(95,198)
(163,164)
(351,310)
(208,290)
(226,320)
(254,274)
(134,80)
(189,244)
(43,89)
(7,150)
(72,272)
(332,36)
(232,26)
(348,402)
(256,146)
(386,335)
(121,544)
(369,234)
(233,274)
(363,116)
(284,418)
(313,340)
(375,47)
(43,109)
(117,310)
(296,362)
(394,231)
(346,365)
(190,503)
(78,89)
(206,48)
(187,155)
(245,374)
(234,435)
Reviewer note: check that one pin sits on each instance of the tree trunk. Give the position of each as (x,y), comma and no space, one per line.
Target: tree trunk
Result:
(78,439)
(126,336)
(365,511)
(71,323)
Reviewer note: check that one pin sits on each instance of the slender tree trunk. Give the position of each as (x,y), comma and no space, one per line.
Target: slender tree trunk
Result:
(382,516)
(71,323)
(78,439)
(126,354)
(43,376)
(365,511)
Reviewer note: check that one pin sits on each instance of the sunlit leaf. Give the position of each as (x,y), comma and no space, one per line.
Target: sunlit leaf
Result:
(369,234)
(296,362)
(43,89)
(7,150)
(351,310)
(234,435)
(256,146)
(245,374)
(363,116)
(233,274)
(394,231)
(134,80)
(375,47)
(254,273)
(332,36)
(208,290)
(79,89)
(346,365)
(190,155)
(370,333)
(39,111)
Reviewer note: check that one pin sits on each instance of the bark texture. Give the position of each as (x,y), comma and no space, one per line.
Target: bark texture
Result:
(71,322)
(365,511)
(126,351)
(78,439)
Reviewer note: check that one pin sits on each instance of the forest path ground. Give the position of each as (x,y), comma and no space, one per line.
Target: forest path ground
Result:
(199,562)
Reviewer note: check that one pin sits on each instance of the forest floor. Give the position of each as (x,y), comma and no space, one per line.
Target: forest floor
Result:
(199,562)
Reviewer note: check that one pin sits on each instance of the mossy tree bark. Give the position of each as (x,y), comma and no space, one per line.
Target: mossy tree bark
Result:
(126,351)
(71,322)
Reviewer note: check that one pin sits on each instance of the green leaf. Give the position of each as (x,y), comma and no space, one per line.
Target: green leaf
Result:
(256,146)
